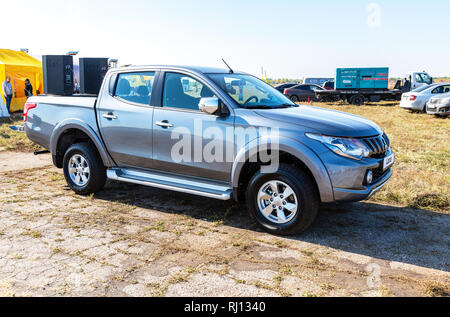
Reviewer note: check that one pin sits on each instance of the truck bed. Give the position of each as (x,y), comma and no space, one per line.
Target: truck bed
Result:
(373,95)
(51,111)
(75,100)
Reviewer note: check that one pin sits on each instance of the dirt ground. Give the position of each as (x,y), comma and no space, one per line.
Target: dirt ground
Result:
(136,241)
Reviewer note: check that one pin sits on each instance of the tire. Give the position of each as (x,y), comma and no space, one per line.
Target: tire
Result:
(294,98)
(357,100)
(85,155)
(304,194)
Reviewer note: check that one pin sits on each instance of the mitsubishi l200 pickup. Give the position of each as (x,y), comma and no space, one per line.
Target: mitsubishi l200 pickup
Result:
(214,133)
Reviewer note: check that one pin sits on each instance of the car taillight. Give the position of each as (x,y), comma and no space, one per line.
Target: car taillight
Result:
(26,108)
(412,98)
(286,91)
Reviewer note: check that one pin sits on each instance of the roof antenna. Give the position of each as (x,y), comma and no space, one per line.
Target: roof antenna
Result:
(231,71)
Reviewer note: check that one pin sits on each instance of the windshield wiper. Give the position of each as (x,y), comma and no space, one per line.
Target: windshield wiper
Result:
(288,105)
(258,107)
(285,105)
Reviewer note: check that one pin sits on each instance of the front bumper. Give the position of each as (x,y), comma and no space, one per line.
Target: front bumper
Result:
(342,194)
(441,110)
(348,177)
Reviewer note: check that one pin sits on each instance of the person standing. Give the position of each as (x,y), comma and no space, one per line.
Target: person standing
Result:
(7,92)
(28,89)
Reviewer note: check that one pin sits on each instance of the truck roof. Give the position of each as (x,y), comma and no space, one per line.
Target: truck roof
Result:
(197,69)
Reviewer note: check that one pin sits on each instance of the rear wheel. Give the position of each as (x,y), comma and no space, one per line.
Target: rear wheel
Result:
(285,202)
(357,100)
(294,98)
(83,169)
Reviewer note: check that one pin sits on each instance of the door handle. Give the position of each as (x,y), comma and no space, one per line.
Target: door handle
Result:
(109,116)
(164,124)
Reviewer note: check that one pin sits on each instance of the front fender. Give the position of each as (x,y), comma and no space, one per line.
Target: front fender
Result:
(295,148)
(73,123)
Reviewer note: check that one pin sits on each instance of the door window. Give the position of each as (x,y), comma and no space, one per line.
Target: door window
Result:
(184,92)
(135,87)
(426,79)
(441,90)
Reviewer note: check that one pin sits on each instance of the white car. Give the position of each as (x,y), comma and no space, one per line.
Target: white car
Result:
(439,105)
(417,99)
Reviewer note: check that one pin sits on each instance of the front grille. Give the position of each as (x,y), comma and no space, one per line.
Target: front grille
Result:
(378,174)
(431,109)
(378,145)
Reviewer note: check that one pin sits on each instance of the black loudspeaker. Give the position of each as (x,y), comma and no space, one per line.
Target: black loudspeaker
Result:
(92,72)
(58,74)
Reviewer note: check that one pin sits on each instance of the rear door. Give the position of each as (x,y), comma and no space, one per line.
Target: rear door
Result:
(125,118)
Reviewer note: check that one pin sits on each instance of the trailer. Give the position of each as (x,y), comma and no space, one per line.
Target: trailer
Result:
(359,96)
(360,85)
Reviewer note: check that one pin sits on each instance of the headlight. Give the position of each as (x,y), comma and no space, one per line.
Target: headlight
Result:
(347,147)
(445,100)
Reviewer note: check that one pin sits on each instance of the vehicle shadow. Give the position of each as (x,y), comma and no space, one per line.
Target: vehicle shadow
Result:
(371,103)
(382,104)
(412,236)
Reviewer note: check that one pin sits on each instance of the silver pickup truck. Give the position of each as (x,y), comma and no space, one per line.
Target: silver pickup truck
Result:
(214,133)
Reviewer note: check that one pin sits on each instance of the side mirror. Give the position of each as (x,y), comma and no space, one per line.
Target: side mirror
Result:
(209,105)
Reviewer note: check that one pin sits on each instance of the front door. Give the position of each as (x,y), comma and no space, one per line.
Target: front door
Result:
(125,118)
(185,140)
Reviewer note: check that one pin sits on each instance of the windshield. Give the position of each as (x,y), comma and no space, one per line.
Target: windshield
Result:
(250,92)
(425,78)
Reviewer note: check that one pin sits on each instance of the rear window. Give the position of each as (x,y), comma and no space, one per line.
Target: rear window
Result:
(420,89)
(135,87)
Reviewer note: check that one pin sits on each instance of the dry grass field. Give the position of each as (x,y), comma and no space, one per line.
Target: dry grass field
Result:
(421,143)
(11,140)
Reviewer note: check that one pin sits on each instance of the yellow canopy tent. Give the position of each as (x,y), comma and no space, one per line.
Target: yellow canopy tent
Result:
(20,66)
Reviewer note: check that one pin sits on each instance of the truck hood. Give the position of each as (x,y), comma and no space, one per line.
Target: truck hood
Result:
(324,121)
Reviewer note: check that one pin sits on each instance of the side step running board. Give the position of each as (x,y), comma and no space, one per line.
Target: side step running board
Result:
(176,183)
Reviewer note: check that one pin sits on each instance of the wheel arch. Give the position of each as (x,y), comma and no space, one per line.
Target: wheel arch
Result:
(73,131)
(292,152)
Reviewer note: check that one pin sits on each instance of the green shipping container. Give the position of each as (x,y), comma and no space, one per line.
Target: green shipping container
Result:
(362,78)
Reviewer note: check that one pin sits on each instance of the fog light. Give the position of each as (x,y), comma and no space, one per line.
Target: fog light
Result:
(369,177)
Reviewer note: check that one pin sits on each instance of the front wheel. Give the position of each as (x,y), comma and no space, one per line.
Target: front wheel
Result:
(285,202)
(83,169)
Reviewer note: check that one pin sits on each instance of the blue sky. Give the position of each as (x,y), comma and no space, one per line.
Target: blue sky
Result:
(288,38)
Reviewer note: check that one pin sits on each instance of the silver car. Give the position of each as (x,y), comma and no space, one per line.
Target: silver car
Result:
(439,105)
